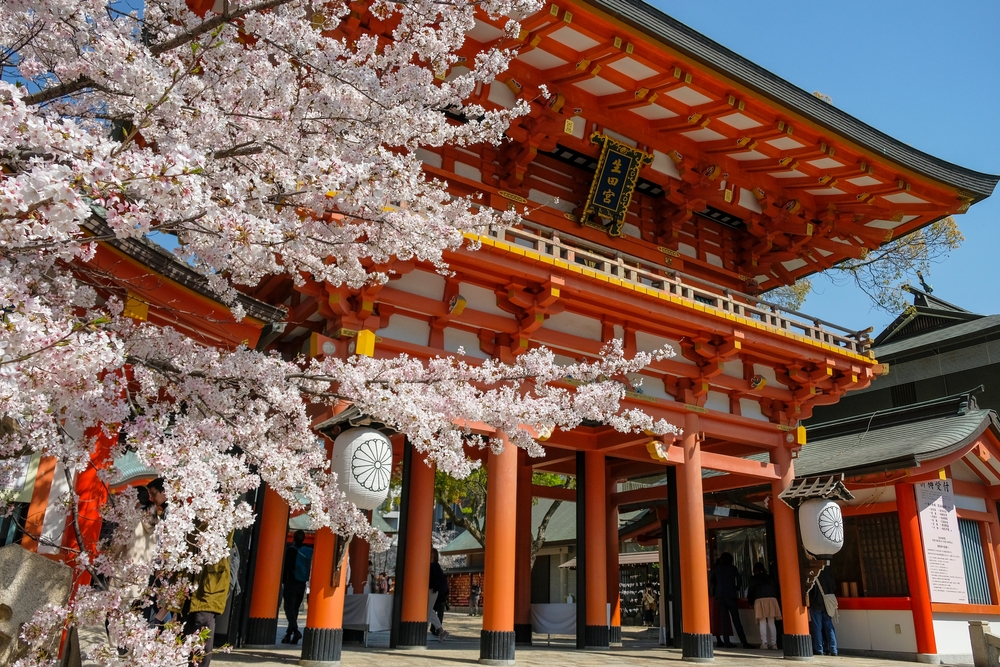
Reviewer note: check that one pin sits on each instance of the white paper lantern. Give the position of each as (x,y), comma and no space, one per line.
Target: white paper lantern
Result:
(822,526)
(362,459)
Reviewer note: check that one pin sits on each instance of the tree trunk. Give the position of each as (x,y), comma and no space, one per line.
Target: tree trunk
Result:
(467,522)
(539,540)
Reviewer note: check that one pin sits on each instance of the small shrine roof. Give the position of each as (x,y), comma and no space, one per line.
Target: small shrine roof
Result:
(931,322)
(164,263)
(895,439)
(561,528)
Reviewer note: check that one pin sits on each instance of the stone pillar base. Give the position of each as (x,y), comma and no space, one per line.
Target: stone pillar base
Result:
(522,634)
(697,648)
(797,647)
(596,636)
(412,634)
(321,647)
(496,647)
(261,632)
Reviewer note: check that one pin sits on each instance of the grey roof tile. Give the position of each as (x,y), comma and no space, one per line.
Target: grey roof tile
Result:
(894,439)
(939,336)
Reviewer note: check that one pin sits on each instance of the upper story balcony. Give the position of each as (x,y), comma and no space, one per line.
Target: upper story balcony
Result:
(573,254)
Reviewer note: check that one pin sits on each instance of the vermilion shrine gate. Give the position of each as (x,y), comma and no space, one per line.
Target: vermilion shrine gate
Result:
(740,183)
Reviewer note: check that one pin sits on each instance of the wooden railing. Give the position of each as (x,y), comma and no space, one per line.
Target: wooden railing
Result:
(639,271)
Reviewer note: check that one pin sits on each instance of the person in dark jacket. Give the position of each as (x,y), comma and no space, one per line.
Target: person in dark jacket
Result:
(437,598)
(293,590)
(726,582)
(824,636)
(762,595)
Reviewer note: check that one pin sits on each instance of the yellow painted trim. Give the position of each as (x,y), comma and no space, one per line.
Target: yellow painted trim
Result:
(691,305)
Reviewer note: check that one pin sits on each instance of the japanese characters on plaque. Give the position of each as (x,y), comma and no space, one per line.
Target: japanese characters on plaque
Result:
(942,542)
(614,182)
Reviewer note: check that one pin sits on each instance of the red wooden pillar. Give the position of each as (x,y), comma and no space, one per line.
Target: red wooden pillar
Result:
(496,641)
(796,643)
(613,576)
(417,563)
(916,570)
(522,590)
(39,502)
(360,552)
(596,599)
(262,628)
(323,639)
(696,640)
(92,494)
(991,542)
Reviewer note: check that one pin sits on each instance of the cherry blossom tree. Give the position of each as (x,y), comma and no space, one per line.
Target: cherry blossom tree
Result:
(266,139)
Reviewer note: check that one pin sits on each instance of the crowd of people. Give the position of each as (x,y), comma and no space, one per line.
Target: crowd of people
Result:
(211,587)
(725,586)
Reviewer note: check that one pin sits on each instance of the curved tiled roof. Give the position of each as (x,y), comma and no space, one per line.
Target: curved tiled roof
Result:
(894,439)
(658,25)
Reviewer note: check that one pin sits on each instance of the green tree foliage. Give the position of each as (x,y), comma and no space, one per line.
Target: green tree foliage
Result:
(464,502)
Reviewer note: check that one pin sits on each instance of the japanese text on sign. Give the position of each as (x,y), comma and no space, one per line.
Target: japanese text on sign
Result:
(942,542)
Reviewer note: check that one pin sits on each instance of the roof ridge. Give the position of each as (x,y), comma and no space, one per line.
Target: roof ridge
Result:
(955,404)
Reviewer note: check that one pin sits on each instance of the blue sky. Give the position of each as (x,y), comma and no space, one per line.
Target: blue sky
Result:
(923,71)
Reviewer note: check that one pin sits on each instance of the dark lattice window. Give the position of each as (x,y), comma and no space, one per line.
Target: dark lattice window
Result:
(871,563)
(903,394)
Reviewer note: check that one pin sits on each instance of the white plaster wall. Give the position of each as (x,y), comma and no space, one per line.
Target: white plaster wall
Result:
(468,171)
(733,368)
(577,325)
(407,329)
(653,387)
(951,633)
(853,631)
(878,494)
(421,283)
(970,503)
(960,470)
(481,299)
(875,630)
(455,338)
(751,408)
(429,157)
(54,523)
(717,401)
(645,342)
(883,630)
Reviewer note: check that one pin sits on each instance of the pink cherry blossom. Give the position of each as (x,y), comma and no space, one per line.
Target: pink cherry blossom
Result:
(222,130)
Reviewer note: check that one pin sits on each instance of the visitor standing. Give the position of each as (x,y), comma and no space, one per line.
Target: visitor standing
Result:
(725,580)
(762,595)
(382,583)
(294,575)
(207,603)
(822,610)
(649,603)
(437,598)
(475,593)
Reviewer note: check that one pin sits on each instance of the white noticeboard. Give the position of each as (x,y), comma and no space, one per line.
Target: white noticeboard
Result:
(942,542)
(17,477)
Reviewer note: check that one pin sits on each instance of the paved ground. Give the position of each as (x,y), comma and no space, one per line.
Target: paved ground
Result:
(639,648)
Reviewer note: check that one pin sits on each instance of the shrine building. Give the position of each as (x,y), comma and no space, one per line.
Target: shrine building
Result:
(665,185)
